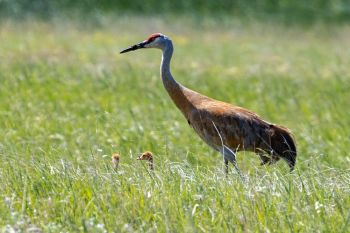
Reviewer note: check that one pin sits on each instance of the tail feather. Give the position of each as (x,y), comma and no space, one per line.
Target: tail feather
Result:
(283,144)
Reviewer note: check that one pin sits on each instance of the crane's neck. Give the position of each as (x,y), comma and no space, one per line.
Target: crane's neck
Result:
(175,90)
(169,82)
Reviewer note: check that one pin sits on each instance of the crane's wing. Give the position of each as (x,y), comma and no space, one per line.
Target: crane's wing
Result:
(238,128)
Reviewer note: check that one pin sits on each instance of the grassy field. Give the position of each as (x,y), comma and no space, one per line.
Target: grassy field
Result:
(68,100)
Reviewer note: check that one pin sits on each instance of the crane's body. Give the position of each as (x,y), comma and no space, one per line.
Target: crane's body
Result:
(224,127)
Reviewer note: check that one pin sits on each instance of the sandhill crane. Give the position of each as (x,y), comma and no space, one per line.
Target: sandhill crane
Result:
(148,156)
(115,161)
(224,127)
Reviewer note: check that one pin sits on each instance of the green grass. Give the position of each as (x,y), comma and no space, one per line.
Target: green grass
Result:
(69,100)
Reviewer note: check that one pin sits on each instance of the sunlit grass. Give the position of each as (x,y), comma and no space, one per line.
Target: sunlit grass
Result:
(69,100)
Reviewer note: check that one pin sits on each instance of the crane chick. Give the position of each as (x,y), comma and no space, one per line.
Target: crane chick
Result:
(115,160)
(148,156)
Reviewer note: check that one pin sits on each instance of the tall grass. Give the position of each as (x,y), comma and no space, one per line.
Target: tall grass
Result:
(69,100)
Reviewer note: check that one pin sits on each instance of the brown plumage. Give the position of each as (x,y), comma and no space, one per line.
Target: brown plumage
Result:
(148,156)
(115,161)
(224,127)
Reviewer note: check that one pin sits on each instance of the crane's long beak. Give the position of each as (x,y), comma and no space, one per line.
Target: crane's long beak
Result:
(134,47)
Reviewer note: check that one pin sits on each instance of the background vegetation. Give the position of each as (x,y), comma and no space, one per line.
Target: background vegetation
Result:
(286,11)
(68,100)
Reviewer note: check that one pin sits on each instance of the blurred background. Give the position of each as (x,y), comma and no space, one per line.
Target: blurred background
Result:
(286,11)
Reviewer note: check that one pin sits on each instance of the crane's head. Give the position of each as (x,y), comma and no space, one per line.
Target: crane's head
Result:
(146,156)
(156,40)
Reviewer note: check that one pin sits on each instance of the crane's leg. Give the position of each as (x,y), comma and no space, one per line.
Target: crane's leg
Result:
(264,159)
(273,159)
(226,166)
(267,159)
(229,155)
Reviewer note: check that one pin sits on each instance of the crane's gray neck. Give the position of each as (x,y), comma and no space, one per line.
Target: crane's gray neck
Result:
(168,80)
(175,90)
